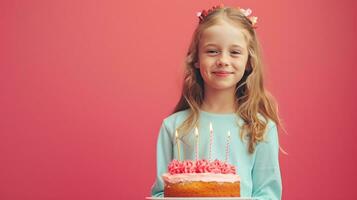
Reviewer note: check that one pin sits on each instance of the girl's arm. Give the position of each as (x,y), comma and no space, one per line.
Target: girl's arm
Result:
(266,171)
(163,157)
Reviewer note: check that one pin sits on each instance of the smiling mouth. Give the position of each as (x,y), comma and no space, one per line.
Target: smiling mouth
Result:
(222,73)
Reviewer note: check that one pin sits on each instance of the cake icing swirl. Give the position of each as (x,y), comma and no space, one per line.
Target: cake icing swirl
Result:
(200,166)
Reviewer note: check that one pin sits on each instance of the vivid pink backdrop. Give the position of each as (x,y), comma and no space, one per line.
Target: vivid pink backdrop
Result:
(85,85)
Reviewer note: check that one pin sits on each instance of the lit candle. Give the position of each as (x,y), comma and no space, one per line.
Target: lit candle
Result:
(210,140)
(178,146)
(227,146)
(196,134)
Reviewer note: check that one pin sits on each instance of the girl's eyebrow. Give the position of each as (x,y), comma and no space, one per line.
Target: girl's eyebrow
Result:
(234,45)
(210,44)
(237,45)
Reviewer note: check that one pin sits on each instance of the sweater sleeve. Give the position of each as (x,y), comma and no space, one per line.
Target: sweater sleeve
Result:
(163,157)
(266,171)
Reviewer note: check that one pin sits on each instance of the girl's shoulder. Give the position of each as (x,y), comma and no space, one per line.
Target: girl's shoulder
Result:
(270,123)
(271,129)
(176,118)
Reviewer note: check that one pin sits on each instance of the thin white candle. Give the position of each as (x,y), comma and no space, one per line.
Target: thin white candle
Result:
(196,134)
(178,145)
(210,141)
(227,146)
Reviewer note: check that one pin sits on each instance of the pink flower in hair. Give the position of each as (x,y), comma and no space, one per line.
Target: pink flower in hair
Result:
(246,12)
(201,15)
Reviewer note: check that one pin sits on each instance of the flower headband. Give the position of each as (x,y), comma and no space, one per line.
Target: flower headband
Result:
(246,12)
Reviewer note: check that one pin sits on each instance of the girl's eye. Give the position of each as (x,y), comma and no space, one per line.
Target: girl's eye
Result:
(211,51)
(236,52)
(214,52)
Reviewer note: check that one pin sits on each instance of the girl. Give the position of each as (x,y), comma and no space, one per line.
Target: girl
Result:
(223,85)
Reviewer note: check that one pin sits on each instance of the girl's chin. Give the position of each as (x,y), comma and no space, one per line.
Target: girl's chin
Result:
(222,87)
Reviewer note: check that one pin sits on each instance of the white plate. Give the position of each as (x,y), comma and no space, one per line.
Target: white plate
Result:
(200,198)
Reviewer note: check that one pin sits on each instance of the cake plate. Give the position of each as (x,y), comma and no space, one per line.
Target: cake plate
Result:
(200,198)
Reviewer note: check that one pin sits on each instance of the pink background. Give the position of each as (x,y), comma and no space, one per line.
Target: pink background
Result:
(85,85)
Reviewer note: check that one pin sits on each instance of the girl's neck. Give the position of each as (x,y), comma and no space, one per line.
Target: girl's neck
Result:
(219,101)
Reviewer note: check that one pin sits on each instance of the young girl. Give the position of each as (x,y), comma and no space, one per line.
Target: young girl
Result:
(223,85)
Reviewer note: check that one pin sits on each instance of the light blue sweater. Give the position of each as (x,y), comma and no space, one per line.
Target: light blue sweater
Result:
(259,172)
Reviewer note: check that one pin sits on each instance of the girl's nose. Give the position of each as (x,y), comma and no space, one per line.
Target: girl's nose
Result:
(222,60)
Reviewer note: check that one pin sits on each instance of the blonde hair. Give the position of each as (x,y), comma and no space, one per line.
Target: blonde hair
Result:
(251,96)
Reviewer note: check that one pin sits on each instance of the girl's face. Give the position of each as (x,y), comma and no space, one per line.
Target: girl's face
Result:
(222,56)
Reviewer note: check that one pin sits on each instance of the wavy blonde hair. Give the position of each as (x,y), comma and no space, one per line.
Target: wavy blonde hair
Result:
(251,96)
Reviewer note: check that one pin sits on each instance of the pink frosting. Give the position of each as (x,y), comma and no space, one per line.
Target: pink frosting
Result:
(205,177)
(200,166)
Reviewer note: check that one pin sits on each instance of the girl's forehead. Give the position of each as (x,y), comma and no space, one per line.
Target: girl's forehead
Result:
(223,34)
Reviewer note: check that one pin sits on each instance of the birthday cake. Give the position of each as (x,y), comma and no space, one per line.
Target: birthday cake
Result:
(201,178)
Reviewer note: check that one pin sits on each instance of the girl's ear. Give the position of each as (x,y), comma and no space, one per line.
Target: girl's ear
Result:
(196,65)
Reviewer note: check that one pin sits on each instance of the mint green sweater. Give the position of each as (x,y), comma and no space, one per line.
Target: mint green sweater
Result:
(259,172)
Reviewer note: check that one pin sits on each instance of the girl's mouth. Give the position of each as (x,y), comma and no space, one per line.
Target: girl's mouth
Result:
(222,73)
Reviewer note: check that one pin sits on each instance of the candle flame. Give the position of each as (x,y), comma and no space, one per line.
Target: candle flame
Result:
(229,133)
(210,126)
(176,134)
